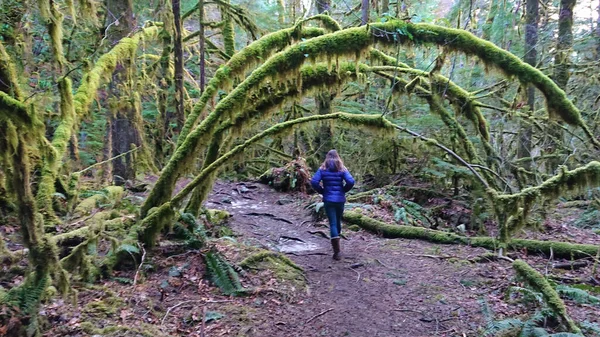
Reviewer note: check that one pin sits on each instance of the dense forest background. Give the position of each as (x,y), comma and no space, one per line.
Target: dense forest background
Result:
(464,122)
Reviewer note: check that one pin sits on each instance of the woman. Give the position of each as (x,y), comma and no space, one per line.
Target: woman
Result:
(336,182)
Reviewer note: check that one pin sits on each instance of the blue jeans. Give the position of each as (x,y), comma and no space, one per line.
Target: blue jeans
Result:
(334,211)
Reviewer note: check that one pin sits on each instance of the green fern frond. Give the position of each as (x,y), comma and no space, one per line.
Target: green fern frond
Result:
(506,327)
(578,295)
(222,274)
(487,312)
(591,328)
(531,328)
(28,295)
(528,294)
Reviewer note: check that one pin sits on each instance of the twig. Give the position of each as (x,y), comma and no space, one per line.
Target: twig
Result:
(108,160)
(137,272)
(357,273)
(432,256)
(203,323)
(317,315)
(383,264)
(162,322)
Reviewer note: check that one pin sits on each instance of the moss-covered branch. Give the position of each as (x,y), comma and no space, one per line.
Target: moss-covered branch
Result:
(558,249)
(352,41)
(239,63)
(539,283)
(8,74)
(374,121)
(513,209)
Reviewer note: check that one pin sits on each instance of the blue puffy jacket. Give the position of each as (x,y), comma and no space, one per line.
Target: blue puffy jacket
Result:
(333,189)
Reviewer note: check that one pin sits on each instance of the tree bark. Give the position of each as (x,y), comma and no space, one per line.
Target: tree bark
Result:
(123,132)
(531,38)
(365,12)
(561,74)
(202,45)
(178,52)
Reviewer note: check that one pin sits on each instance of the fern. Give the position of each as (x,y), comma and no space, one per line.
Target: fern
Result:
(531,328)
(578,295)
(506,327)
(591,328)
(27,296)
(222,274)
(528,294)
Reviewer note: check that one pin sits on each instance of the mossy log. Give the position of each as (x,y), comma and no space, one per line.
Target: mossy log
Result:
(264,254)
(539,283)
(558,249)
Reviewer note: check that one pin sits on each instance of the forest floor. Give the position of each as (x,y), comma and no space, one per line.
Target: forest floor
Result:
(381,287)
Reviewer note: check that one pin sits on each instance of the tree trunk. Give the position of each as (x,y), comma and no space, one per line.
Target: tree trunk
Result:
(385,6)
(124,133)
(178,52)
(281,12)
(531,38)
(202,45)
(365,12)
(323,5)
(561,73)
(324,139)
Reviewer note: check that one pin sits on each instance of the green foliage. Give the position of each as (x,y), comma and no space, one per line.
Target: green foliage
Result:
(222,274)
(578,295)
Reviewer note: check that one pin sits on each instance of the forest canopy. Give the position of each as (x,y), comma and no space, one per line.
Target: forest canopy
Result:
(464,122)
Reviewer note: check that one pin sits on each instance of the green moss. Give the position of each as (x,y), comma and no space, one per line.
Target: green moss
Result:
(373,121)
(558,249)
(540,284)
(87,205)
(516,206)
(266,254)
(155,222)
(8,74)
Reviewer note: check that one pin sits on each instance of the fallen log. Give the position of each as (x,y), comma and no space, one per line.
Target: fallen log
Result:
(559,249)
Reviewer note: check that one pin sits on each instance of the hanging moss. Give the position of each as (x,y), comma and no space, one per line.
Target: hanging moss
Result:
(54,20)
(372,121)
(540,284)
(516,206)
(241,62)
(352,41)
(104,67)
(8,74)
(227,31)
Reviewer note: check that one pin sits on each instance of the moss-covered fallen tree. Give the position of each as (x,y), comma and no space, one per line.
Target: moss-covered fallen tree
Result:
(539,283)
(558,249)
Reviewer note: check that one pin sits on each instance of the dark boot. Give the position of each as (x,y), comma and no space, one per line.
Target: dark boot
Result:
(335,243)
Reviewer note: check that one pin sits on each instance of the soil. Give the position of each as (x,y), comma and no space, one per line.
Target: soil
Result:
(381,287)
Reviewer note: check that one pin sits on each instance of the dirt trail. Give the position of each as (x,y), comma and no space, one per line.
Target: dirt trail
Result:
(380,288)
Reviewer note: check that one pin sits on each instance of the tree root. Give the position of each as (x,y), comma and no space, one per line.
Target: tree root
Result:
(559,249)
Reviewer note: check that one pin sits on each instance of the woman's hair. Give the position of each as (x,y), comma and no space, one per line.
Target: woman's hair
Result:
(333,160)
